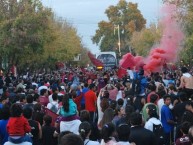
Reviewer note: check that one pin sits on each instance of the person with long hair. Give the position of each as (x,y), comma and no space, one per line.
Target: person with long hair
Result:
(85,131)
(107,117)
(68,108)
(108,132)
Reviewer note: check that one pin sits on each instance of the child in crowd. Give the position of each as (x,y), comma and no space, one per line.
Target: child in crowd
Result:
(18,126)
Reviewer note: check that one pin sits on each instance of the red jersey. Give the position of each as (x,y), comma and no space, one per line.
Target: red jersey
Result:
(90,101)
(43,100)
(18,126)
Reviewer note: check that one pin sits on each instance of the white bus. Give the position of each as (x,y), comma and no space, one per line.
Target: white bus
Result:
(109,59)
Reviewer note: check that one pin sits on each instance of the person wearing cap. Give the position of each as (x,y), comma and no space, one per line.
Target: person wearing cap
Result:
(186,81)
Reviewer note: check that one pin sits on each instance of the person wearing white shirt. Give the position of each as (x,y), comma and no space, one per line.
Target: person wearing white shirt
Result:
(153,118)
(54,90)
(85,131)
(54,102)
(130,73)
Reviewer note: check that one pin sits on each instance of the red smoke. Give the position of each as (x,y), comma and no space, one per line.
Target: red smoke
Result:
(169,46)
(128,60)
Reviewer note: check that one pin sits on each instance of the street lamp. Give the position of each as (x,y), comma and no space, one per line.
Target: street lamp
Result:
(119,38)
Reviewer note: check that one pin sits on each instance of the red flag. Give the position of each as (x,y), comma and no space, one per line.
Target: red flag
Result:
(126,61)
(94,61)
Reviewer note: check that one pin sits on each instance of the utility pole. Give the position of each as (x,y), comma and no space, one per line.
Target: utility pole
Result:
(119,38)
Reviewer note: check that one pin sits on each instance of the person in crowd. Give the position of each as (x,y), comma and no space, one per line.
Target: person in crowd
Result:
(186,81)
(108,134)
(161,92)
(61,135)
(95,134)
(90,101)
(152,88)
(20,85)
(125,119)
(107,117)
(139,134)
(77,96)
(71,139)
(36,130)
(69,124)
(22,99)
(5,113)
(54,106)
(123,131)
(119,113)
(3,100)
(139,100)
(153,118)
(184,140)
(113,91)
(43,99)
(29,100)
(68,108)
(130,73)
(48,132)
(54,90)
(18,125)
(153,99)
(102,103)
(179,108)
(85,131)
(84,90)
(167,120)
(38,113)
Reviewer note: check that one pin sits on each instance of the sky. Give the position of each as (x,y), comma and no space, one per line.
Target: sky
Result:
(84,15)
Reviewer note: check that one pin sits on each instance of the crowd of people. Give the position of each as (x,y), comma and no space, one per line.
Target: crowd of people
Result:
(75,106)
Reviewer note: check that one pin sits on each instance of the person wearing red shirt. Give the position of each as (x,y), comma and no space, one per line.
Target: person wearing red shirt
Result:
(43,99)
(90,101)
(18,125)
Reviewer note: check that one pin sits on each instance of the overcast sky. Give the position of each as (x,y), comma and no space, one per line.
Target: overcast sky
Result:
(85,14)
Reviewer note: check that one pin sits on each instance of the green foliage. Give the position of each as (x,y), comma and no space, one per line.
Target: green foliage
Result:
(129,19)
(31,36)
(22,29)
(143,41)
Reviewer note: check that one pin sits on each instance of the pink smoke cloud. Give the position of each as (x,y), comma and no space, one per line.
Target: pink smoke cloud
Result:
(165,52)
(169,46)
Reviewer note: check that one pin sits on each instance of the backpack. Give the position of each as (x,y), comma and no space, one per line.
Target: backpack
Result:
(159,133)
(136,86)
(54,108)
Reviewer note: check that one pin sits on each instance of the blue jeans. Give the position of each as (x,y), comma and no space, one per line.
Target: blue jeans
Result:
(25,138)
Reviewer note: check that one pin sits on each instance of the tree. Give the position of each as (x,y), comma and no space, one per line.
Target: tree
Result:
(129,19)
(22,28)
(143,41)
(32,36)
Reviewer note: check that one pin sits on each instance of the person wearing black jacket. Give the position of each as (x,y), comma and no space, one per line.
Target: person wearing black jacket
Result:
(138,134)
